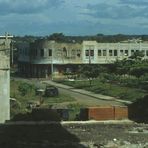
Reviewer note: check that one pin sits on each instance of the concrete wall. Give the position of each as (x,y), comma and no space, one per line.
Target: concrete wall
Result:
(4,78)
(4,96)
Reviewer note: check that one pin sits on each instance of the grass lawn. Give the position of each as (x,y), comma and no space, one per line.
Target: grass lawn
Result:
(115,90)
(20,106)
(21,100)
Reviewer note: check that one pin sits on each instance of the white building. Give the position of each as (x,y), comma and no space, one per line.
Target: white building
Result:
(44,57)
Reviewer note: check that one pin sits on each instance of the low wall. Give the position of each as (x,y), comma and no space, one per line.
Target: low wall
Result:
(104,113)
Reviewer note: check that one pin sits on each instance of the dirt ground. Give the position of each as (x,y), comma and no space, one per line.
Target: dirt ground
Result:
(111,135)
(73,135)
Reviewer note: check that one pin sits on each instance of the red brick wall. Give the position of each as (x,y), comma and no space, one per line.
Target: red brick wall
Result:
(121,112)
(101,113)
(107,113)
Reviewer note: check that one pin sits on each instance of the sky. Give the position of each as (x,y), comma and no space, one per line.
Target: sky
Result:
(73,17)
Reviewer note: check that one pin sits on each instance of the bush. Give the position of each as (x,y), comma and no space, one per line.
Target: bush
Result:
(144,77)
(25,88)
(139,71)
(130,82)
(111,77)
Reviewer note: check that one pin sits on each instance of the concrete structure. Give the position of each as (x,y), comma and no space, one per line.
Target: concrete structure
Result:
(44,57)
(5,42)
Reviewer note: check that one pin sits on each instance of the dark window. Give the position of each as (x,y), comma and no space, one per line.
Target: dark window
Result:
(132,52)
(143,52)
(78,53)
(25,52)
(86,52)
(73,52)
(91,52)
(126,52)
(147,53)
(65,51)
(99,52)
(110,53)
(121,52)
(35,52)
(115,52)
(104,52)
(42,52)
(50,52)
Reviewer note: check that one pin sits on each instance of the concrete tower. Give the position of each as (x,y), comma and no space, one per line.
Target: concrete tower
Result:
(5,42)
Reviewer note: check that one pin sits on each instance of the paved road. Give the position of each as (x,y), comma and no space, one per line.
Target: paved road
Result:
(83,98)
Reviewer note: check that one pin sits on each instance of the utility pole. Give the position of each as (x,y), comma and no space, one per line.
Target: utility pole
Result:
(89,55)
(51,66)
(12,53)
(52,63)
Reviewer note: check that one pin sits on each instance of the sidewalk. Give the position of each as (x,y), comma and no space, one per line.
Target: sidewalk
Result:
(88,93)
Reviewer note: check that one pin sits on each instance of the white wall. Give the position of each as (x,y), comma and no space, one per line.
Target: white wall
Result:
(4,95)
(5,78)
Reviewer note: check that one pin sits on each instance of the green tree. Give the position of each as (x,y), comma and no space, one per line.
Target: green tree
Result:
(121,67)
(91,71)
(139,70)
(59,37)
(138,55)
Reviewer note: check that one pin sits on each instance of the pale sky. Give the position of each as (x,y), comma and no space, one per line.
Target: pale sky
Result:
(73,17)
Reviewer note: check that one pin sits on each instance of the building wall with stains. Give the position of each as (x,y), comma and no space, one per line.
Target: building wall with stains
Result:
(42,54)
(46,56)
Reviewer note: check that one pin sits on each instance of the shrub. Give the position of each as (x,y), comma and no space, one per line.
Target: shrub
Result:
(24,88)
(112,78)
(130,81)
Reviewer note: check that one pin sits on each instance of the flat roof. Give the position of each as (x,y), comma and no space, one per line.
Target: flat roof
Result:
(8,36)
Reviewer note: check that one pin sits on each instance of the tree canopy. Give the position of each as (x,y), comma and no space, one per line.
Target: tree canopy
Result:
(134,65)
(91,71)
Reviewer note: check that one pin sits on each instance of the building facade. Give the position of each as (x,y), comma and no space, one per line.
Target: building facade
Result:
(5,42)
(45,57)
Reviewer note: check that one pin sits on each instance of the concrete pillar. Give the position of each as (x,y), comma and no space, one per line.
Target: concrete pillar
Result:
(95,54)
(4,95)
(5,78)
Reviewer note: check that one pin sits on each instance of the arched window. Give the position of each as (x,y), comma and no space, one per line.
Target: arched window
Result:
(65,51)
(78,53)
(73,53)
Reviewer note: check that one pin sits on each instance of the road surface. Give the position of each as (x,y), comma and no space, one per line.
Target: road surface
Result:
(83,99)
